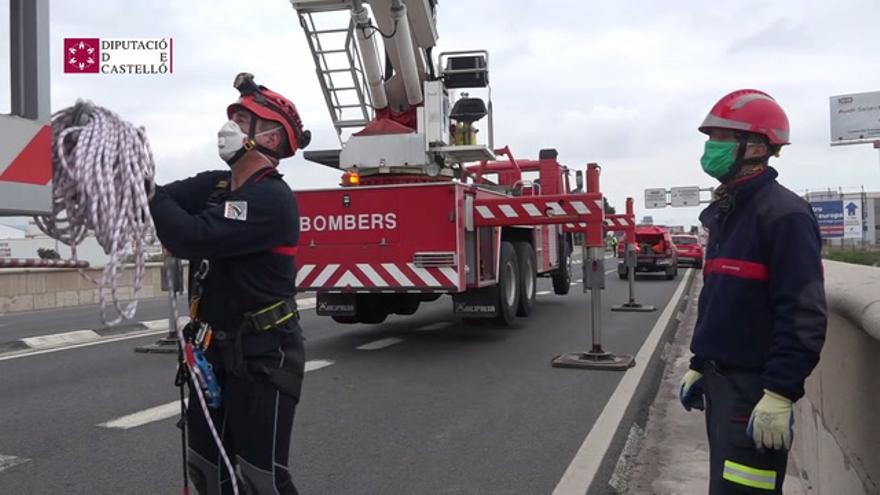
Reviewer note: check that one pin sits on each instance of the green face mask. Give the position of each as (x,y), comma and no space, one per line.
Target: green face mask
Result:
(718,158)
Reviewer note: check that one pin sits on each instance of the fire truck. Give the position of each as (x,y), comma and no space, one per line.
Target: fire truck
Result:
(425,207)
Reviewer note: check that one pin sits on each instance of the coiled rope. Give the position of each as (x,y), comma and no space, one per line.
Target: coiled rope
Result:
(101,165)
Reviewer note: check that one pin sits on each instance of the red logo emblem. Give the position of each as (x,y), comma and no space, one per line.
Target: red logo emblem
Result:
(82,55)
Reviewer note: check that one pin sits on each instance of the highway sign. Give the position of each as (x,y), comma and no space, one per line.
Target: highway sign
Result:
(655,198)
(855,117)
(685,196)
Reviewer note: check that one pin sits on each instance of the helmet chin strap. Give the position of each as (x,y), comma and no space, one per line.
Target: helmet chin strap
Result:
(251,144)
(742,161)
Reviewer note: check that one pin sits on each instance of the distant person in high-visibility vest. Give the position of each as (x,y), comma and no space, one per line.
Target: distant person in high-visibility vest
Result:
(762,312)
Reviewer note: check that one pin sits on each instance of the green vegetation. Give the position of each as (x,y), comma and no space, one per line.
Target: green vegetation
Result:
(858,257)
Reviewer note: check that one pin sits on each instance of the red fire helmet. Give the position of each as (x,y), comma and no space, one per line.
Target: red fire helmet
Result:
(749,110)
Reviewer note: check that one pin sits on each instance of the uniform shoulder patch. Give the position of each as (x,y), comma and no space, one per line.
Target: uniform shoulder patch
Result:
(235,210)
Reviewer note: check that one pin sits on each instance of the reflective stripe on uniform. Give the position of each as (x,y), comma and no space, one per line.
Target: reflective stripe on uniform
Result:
(737,268)
(749,476)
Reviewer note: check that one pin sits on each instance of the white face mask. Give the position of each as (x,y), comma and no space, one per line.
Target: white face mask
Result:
(230,139)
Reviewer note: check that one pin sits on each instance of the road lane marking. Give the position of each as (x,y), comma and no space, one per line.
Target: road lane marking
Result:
(8,461)
(171,409)
(105,340)
(316,364)
(545,293)
(74,340)
(583,468)
(146,416)
(610,271)
(60,339)
(306,303)
(434,326)
(380,344)
(162,324)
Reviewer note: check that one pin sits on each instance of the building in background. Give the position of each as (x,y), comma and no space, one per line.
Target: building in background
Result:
(17,243)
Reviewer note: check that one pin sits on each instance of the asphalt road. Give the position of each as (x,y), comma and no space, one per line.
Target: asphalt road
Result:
(430,405)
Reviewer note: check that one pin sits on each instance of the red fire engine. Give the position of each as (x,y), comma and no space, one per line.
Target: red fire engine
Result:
(424,208)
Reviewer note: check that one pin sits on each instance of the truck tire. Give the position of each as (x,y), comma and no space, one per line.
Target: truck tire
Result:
(507,288)
(528,277)
(562,277)
(671,273)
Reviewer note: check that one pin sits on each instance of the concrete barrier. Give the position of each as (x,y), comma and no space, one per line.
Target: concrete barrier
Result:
(27,289)
(837,434)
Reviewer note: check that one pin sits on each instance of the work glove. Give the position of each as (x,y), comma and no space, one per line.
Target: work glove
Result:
(691,391)
(771,425)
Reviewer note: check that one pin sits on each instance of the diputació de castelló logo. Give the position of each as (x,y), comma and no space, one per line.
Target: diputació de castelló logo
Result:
(121,56)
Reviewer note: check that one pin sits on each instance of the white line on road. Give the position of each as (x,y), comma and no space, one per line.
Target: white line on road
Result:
(317,364)
(59,339)
(545,293)
(610,271)
(380,344)
(583,468)
(74,340)
(434,326)
(171,409)
(146,416)
(7,461)
(306,303)
(162,324)
(107,340)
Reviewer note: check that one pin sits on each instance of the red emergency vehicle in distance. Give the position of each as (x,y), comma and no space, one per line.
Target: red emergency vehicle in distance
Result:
(655,252)
(689,250)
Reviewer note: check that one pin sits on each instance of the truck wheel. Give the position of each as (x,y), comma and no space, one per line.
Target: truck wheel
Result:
(623,276)
(562,277)
(671,274)
(528,277)
(508,285)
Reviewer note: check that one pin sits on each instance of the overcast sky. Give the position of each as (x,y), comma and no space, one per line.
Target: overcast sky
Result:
(624,84)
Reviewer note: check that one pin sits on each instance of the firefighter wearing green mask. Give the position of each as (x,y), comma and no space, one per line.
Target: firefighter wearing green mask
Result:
(762,312)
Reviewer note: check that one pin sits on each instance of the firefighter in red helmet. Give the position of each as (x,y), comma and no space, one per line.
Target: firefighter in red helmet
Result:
(762,313)
(240,228)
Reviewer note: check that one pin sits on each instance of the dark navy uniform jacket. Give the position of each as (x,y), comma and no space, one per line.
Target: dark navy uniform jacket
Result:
(762,306)
(249,238)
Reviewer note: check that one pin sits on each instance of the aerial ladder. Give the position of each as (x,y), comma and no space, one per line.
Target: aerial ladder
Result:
(425,207)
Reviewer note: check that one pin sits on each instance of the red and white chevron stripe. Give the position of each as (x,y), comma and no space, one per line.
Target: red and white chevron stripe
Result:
(612,222)
(399,276)
(25,166)
(621,222)
(532,209)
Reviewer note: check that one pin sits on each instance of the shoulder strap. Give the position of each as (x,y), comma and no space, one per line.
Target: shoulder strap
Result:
(221,189)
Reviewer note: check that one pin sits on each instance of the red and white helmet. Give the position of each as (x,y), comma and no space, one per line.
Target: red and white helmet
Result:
(269,105)
(749,110)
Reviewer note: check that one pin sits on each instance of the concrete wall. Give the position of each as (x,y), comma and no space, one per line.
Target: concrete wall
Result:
(26,289)
(837,424)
